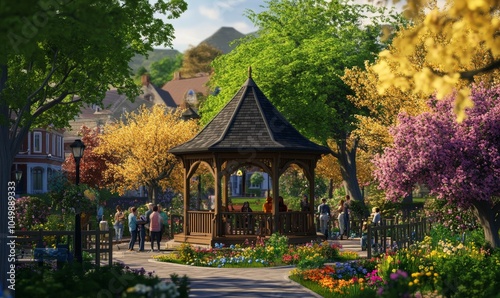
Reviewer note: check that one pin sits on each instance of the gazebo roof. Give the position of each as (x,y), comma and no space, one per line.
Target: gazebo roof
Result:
(249,121)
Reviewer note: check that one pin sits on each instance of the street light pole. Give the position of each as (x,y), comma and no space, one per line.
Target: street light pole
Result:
(77,148)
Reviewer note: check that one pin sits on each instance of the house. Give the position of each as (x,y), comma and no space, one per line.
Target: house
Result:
(41,155)
(187,90)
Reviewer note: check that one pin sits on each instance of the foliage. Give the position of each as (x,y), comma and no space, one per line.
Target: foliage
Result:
(163,70)
(439,36)
(455,219)
(431,268)
(92,165)
(72,279)
(197,60)
(145,160)
(458,162)
(302,49)
(292,183)
(257,178)
(31,211)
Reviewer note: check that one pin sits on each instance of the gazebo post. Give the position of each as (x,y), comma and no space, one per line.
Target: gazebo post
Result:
(276,192)
(186,202)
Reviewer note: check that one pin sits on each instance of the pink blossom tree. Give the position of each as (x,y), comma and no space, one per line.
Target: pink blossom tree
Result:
(458,162)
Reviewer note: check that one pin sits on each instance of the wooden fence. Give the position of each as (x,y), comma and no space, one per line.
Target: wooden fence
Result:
(32,245)
(393,235)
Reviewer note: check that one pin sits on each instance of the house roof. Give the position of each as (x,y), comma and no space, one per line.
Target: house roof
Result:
(114,105)
(249,122)
(178,87)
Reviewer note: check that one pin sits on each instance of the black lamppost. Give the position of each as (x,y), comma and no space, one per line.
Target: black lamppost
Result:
(19,175)
(77,148)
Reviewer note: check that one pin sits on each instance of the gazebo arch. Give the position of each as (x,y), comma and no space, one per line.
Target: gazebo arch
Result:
(248,130)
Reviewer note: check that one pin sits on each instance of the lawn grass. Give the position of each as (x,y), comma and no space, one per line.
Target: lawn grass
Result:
(255,202)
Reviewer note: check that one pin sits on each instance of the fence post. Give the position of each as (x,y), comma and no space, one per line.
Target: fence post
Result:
(98,248)
(110,247)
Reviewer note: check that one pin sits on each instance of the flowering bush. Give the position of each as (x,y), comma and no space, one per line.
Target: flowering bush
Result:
(93,281)
(31,211)
(456,220)
(274,251)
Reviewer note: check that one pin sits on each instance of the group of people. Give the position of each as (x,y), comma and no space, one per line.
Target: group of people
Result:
(153,222)
(343,217)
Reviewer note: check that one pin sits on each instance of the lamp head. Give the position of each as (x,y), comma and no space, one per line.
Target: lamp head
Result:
(77,148)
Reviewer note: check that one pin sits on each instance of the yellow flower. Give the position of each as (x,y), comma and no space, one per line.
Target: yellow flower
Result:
(410,283)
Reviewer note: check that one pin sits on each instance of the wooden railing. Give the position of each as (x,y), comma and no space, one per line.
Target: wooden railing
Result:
(249,223)
(99,243)
(395,236)
(200,222)
(260,223)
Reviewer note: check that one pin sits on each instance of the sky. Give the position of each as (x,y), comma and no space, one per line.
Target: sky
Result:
(204,17)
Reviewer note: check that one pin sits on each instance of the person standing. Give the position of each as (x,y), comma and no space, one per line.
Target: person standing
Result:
(132,227)
(148,213)
(155,223)
(118,223)
(100,212)
(282,207)
(304,203)
(347,207)
(268,205)
(376,217)
(142,232)
(324,217)
(340,219)
(164,218)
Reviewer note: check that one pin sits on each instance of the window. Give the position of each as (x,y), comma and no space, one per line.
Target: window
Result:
(50,174)
(37,176)
(59,146)
(37,142)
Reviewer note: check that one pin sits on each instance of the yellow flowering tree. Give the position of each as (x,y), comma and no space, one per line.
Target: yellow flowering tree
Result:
(140,143)
(459,41)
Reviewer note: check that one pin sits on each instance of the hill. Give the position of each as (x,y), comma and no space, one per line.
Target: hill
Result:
(223,37)
(155,55)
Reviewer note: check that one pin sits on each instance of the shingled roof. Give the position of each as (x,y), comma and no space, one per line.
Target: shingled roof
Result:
(249,121)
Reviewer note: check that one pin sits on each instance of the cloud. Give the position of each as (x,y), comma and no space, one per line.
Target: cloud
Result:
(211,13)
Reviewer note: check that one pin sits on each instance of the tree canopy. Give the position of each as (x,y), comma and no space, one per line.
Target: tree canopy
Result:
(163,71)
(92,165)
(302,49)
(56,56)
(198,59)
(459,23)
(144,160)
(459,162)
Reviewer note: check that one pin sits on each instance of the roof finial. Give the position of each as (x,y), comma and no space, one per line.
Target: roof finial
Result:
(249,72)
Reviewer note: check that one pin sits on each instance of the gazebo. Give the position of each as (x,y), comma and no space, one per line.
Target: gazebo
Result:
(248,131)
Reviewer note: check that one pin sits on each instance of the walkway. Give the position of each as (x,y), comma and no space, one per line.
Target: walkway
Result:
(226,282)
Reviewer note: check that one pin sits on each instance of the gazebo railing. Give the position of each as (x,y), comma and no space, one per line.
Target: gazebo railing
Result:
(249,223)
(200,222)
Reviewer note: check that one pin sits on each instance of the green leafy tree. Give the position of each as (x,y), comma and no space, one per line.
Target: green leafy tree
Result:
(163,71)
(56,56)
(198,59)
(298,57)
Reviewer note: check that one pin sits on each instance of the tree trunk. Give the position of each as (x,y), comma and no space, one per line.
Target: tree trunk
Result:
(488,215)
(347,161)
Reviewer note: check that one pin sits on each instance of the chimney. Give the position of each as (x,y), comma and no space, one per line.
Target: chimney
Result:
(177,75)
(145,80)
